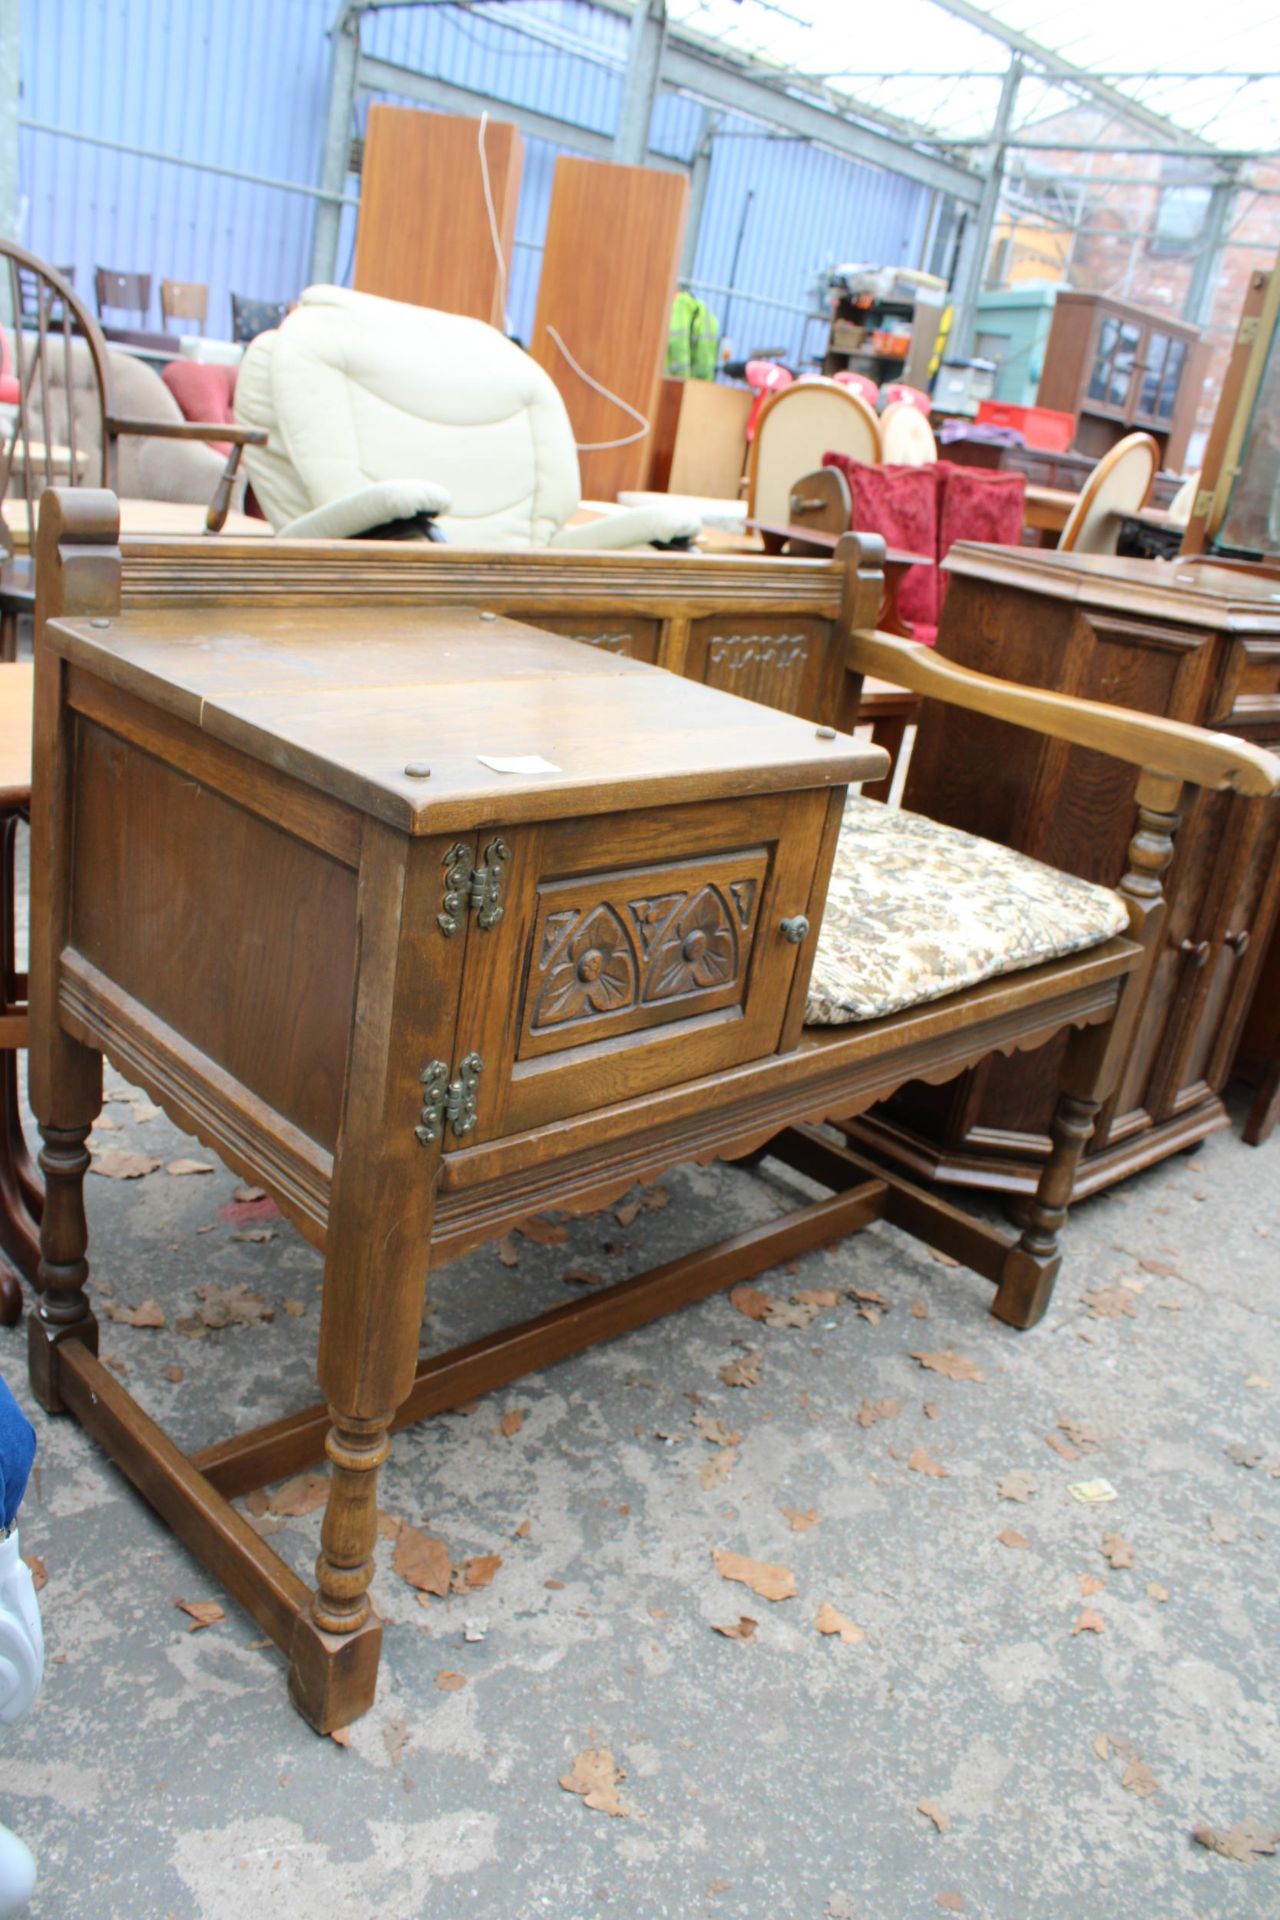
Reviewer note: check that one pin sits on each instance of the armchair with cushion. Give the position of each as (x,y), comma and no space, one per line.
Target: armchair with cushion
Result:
(382,413)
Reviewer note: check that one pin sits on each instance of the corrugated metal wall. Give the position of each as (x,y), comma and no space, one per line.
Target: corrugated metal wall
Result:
(243,85)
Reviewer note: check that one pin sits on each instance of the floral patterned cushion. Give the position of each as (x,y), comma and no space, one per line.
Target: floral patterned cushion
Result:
(917,910)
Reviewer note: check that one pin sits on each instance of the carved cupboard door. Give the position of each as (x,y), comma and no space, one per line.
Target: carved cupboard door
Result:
(635,950)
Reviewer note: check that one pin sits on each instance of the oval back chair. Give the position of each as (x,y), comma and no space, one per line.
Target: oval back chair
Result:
(907,436)
(1119,484)
(796,427)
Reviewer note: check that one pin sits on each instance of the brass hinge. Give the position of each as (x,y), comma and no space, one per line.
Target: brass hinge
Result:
(479,888)
(445,1101)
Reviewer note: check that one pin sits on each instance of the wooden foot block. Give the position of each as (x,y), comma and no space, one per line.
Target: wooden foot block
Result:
(43,1342)
(333,1676)
(1025,1289)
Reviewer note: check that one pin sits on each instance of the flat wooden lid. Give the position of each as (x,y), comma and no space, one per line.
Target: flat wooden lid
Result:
(346,699)
(1188,592)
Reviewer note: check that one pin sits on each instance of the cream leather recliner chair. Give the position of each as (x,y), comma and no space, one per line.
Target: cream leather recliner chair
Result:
(379,412)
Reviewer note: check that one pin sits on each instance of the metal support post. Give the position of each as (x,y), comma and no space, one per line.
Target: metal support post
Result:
(640,83)
(976,244)
(345,39)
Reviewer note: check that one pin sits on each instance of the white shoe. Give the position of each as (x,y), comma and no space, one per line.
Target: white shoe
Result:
(21,1637)
(17,1873)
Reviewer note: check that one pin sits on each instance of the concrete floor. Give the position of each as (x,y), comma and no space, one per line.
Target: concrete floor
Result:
(163,1773)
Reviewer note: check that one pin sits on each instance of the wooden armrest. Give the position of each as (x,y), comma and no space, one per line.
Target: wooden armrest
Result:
(224,430)
(1169,747)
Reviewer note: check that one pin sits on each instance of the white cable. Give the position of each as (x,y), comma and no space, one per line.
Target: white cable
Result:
(493,221)
(602,446)
(583,446)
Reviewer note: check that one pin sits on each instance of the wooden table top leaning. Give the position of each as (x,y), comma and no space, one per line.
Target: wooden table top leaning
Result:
(517,923)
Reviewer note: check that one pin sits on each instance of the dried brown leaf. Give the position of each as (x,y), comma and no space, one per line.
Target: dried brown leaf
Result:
(1010,1537)
(545,1233)
(1090,1621)
(595,1775)
(1059,1445)
(1156,1592)
(715,1471)
(745,1629)
(204,1613)
(953,1366)
(511,1423)
(423,1562)
(149,1314)
(1224,1528)
(751,1300)
(247,1194)
(932,1811)
(477,1573)
(919,1311)
(828,1620)
(237,1306)
(581,1277)
(303,1494)
(117,1163)
(1018,1485)
(655,1198)
(717,1433)
(1138,1778)
(626,1214)
(953,1902)
(771,1582)
(871,1298)
(294,1308)
(1116,1549)
(507,1251)
(1110,1303)
(817,1297)
(39,1572)
(451,1682)
(789,1314)
(174,1373)
(181,1167)
(1247,1841)
(800,1522)
(920,1460)
(1079,1434)
(742,1373)
(873,1410)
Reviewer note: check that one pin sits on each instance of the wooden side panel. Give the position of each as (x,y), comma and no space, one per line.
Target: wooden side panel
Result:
(633,635)
(235,933)
(777,661)
(608,278)
(424,232)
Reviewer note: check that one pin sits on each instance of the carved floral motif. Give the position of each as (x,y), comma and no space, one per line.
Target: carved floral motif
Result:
(738,651)
(680,943)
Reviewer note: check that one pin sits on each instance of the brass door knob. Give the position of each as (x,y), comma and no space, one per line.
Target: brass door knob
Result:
(1197,951)
(795,929)
(1239,942)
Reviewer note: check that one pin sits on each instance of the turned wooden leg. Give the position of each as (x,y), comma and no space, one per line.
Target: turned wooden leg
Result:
(344,1568)
(64,1312)
(1031,1267)
(333,1668)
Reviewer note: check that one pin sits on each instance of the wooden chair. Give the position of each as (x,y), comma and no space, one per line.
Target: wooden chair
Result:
(184,300)
(906,436)
(1119,484)
(411,1097)
(41,447)
(124,292)
(796,427)
(249,317)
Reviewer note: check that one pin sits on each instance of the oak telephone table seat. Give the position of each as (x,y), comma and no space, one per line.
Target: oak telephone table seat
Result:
(442,996)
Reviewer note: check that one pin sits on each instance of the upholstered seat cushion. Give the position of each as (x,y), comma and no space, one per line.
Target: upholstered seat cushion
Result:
(917,910)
